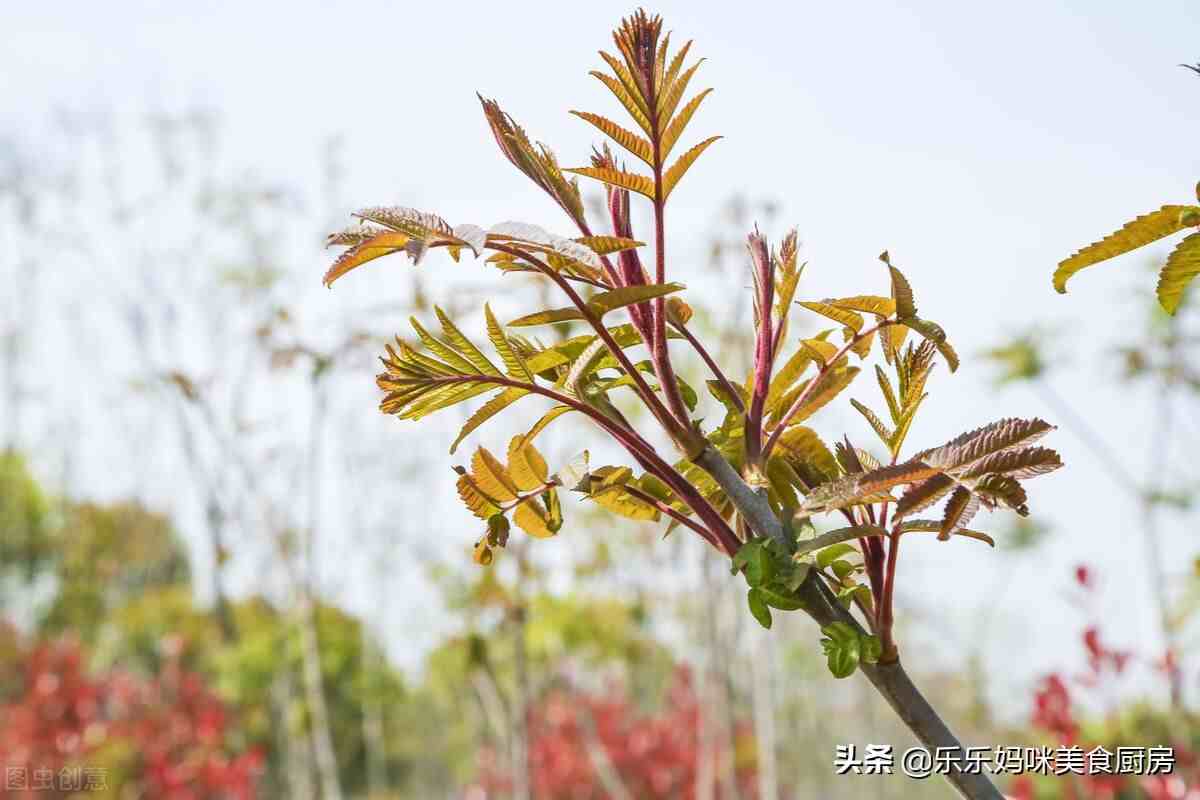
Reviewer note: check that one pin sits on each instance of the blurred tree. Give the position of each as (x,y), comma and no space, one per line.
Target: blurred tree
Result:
(107,555)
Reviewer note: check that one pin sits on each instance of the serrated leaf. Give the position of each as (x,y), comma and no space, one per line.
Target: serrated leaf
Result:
(960,508)
(611,494)
(475,500)
(866,303)
(675,128)
(545,420)
(1182,266)
(889,394)
(830,386)
(1020,464)
(934,333)
(627,99)
(883,478)
(1138,233)
(807,454)
(669,100)
(491,477)
(874,421)
(514,365)
(488,410)
(548,317)
(1006,434)
(525,465)
(613,299)
(842,316)
(902,292)
(532,518)
(924,494)
(606,245)
(634,182)
(381,244)
(464,345)
(1002,489)
(626,138)
(935,526)
(681,166)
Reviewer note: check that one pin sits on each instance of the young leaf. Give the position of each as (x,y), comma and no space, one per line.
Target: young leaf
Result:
(628,295)
(1182,266)
(681,166)
(491,477)
(875,422)
(626,138)
(526,465)
(758,607)
(960,508)
(514,365)
(844,316)
(1138,233)
(488,410)
(642,184)
(675,128)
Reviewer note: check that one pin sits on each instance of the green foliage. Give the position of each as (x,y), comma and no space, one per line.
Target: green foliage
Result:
(845,648)
(106,555)
(1183,264)
(26,524)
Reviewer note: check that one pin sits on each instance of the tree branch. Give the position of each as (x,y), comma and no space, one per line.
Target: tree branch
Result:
(890,680)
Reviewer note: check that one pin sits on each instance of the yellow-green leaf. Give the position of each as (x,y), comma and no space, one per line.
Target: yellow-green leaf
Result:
(843,316)
(526,465)
(1138,233)
(532,518)
(488,410)
(628,295)
(491,477)
(1182,265)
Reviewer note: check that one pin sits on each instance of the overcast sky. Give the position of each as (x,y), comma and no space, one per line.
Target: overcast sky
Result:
(979,142)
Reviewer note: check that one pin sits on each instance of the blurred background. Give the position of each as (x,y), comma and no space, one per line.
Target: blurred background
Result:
(224,574)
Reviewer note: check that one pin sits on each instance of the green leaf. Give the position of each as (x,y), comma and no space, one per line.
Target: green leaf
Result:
(832,553)
(776,599)
(758,607)
(488,410)
(613,299)
(514,365)
(464,345)
(843,648)
(547,317)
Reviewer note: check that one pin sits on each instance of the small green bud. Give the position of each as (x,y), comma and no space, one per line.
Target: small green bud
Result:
(1189,217)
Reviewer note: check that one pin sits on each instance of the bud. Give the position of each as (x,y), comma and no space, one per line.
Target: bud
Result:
(678,311)
(1189,217)
(497,535)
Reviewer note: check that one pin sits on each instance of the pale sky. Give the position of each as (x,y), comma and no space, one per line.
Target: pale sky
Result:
(979,142)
